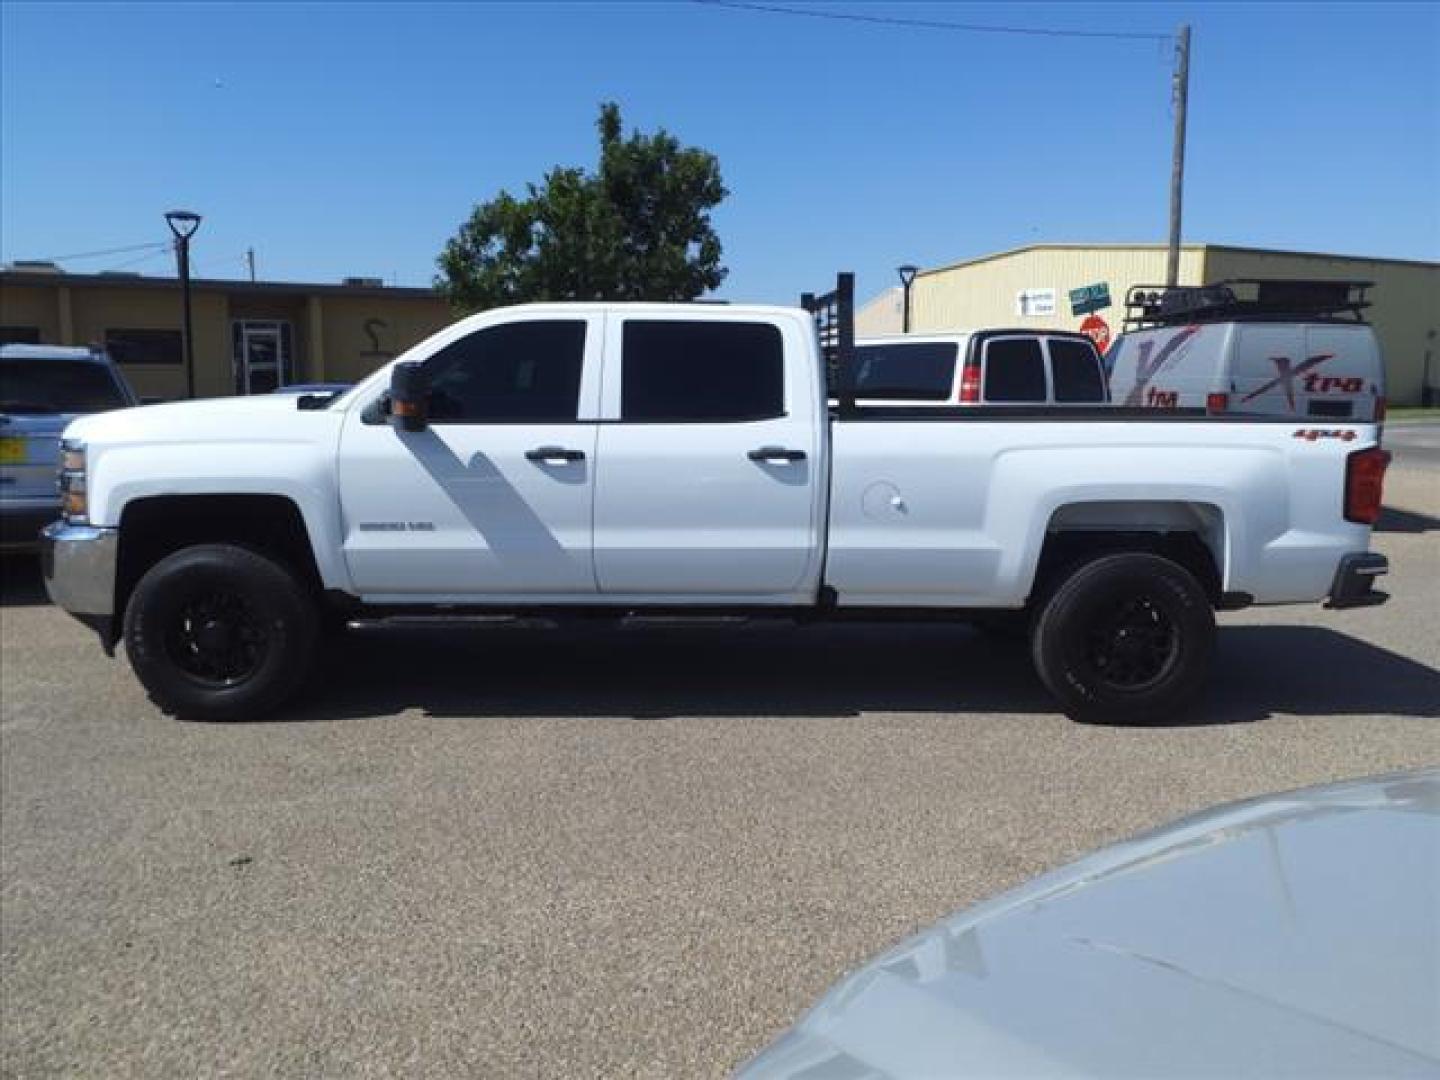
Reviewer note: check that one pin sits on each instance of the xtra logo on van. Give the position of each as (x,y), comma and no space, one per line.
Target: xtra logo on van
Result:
(1147,367)
(1289,374)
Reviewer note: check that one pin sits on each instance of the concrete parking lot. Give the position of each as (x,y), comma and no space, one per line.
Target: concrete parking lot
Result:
(521,852)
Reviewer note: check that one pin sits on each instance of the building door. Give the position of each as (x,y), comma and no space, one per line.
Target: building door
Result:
(262,355)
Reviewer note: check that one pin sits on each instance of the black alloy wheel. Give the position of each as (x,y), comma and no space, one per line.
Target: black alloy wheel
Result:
(1125,639)
(221,632)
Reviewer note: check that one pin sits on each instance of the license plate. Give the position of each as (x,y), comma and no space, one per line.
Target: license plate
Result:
(12,451)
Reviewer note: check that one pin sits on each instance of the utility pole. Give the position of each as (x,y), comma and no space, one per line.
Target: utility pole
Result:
(1180,97)
(250,261)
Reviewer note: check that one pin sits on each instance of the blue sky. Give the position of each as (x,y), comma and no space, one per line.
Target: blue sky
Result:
(342,139)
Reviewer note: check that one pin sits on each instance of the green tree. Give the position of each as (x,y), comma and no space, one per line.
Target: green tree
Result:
(636,229)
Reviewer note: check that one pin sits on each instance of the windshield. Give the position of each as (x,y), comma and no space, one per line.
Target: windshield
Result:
(58,386)
(910,370)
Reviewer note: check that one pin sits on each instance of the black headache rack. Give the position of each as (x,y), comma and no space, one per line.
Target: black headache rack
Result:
(834,315)
(1240,299)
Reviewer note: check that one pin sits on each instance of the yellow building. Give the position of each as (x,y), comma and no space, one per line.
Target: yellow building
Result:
(249,336)
(1031,286)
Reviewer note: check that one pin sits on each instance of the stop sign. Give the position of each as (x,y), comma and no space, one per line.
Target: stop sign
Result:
(1098,331)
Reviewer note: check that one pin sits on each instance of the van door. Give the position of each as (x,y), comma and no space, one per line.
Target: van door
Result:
(1268,369)
(710,461)
(1348,382)
(1077,376)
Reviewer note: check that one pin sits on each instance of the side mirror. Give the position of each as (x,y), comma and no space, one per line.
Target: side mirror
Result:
(409,396)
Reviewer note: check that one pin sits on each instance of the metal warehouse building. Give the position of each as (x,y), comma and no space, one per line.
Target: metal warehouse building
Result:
(1032,286)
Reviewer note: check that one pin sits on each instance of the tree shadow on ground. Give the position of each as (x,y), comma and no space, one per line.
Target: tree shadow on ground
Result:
(828,670)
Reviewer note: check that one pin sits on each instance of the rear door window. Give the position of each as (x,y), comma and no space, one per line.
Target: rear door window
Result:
(1075,371)
(908,371)
(1014,370)
(674,371)
(58,386)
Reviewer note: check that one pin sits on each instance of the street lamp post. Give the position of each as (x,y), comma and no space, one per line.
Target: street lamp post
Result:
(183,224)
(907,277)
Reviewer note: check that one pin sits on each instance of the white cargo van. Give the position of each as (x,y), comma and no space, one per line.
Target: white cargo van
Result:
(986,367)
(1263,347)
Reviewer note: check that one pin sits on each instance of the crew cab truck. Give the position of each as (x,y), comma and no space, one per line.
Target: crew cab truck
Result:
(622,459)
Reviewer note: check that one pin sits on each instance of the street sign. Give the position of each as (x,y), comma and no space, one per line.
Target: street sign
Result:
(1098,331)
(1089,298)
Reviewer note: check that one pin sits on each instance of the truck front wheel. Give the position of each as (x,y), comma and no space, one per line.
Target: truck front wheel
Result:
(218,632)
(1125,639)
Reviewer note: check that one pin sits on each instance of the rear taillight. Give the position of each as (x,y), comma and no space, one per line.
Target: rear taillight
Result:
(1364,484)
(970,382)
(1217,403)
(1379,410)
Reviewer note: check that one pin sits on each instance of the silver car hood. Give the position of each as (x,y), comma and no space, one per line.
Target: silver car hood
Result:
(1296,934)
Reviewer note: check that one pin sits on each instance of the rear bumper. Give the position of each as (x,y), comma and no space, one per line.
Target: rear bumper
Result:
(1354,583)
(78,563)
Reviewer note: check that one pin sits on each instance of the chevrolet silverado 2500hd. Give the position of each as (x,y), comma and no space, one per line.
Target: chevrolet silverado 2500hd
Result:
(614,459)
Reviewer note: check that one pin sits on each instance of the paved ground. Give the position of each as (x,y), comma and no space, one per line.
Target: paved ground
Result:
(1415,443)
(523,853)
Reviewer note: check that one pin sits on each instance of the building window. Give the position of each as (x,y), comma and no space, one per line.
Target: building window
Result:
(144,346)
(19,335)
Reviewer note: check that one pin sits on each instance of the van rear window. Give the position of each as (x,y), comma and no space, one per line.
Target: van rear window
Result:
(58,386)
(1075,368)
(1014,370)
(906,371)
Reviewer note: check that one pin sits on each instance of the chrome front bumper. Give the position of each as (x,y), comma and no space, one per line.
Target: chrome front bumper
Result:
(78,562)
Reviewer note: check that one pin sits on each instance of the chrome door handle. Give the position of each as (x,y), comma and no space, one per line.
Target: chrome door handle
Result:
(776,453)
(554,453)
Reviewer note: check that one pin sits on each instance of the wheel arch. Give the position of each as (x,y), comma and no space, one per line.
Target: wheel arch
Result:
(1193,534)
(152,527)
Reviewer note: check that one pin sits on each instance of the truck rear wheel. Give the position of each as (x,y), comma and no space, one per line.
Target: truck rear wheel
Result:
(218,632)
(1125,639)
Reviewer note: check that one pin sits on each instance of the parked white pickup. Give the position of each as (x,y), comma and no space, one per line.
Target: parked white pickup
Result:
(622,458)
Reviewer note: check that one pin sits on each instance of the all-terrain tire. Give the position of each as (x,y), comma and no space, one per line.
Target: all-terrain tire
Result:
(1125,639)
(219,632)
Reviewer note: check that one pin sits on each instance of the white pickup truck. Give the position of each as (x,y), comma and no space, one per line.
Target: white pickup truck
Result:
(640,459)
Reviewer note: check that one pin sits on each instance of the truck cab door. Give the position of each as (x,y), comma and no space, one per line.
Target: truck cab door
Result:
(711,465)
(493,498)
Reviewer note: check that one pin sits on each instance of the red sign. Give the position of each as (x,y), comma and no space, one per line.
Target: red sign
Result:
(1098,331)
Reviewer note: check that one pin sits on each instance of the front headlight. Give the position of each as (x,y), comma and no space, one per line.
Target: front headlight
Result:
(73,504)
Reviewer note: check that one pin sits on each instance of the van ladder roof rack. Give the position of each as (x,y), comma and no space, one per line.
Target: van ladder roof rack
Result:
(1238,299)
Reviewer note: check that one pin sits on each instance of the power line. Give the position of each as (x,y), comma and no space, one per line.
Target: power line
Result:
(133,262)
(932,24)
(107,251)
